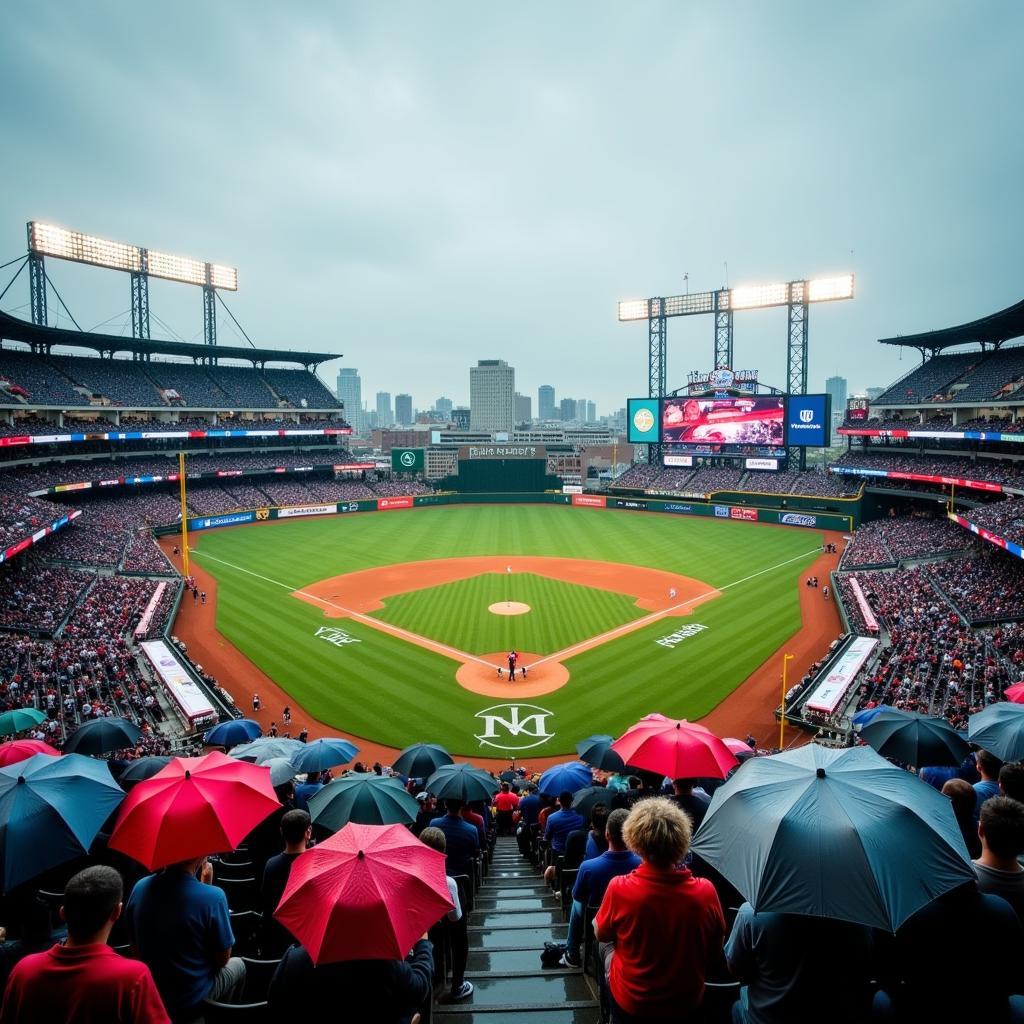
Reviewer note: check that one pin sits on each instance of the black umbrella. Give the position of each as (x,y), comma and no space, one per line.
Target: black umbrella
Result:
(597,752)
(508,776)
(461,782)
(915,739)
(102,735)
(585,800)
(421,760)
(143,768)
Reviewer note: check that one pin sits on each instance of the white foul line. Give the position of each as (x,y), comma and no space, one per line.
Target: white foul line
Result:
(457,655)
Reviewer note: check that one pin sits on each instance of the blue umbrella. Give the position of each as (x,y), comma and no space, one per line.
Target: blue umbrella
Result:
(597,751)
(233,733)
(834,833)
(569,776)
(862,717)
(999,729)
(322,754)
(51,809)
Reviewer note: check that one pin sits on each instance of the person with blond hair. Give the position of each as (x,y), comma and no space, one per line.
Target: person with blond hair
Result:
(659,927)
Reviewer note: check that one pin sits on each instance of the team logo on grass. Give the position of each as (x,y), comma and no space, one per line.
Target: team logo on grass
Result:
(524,723)
(680,635)
(336,636)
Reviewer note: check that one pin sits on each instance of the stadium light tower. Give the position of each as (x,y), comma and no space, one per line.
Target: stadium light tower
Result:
(138,262)
(723,303)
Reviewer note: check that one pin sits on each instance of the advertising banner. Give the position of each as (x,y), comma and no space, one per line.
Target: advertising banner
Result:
(211,522)
(761,463)
(870,622)
(726,421)
(677,460)
(643,417)
(386,504)
(588,500)
(631,503)
(830,693)
(407,460)
(183,689)
(306,510)
(572,488)
(927,478)
(808,421)
(992,538)
(747,514)
(147,616)
(797,519)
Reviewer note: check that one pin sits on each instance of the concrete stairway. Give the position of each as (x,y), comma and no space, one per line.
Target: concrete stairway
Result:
(514,915)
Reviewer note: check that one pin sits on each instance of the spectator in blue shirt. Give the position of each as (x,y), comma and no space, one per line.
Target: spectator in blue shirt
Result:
(562,822)
(988,769)
(529,810)
(461,839)
(592,880)
(179,925)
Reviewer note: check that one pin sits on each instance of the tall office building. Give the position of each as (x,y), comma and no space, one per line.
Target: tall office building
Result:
(350,394)
(523,408)
(384,414)
(492,385)
(836,387)
(591,412)
(444,407)
(403,410)
(546,402)
(568,409)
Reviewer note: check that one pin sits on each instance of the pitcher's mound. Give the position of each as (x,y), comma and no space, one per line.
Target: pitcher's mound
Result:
(509,608)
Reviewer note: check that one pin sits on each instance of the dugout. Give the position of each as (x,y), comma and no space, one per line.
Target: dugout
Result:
(489,468)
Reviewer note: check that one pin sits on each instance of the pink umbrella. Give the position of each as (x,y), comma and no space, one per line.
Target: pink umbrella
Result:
(366,893)
(1014,693)
(22,750)
(738,747)
(678,749)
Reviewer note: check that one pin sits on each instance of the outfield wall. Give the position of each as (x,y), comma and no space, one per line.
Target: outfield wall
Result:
(716,510)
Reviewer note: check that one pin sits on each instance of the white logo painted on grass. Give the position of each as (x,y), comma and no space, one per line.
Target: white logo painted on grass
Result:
(517,720)
(681,634)
(335,636)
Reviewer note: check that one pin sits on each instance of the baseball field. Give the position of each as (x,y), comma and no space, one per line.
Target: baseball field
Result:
(393,626)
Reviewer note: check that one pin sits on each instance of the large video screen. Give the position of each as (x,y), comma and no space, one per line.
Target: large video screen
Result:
(723,424)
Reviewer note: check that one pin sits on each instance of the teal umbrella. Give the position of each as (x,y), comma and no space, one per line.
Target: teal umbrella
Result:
(20,719)
(916,739)
(461,782)
(51,809)
(363,798)
(597,751)
(999,729)
(421,760)
(324,753)
(834,833)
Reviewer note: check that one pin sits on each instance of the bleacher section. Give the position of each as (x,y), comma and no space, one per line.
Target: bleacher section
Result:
(932,378)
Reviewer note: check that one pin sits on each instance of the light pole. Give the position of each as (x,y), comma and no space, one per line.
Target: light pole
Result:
(786,659)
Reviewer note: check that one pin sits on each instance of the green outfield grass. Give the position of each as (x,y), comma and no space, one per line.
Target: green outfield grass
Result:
(561,614)
(388,690)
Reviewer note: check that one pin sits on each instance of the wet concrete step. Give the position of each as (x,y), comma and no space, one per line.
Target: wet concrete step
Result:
(505,961)
(512,891)
(540,1015)
(526,901)
(506,917)
(554,990)
(515,938)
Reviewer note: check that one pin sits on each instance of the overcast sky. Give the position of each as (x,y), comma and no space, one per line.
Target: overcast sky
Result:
(419,185)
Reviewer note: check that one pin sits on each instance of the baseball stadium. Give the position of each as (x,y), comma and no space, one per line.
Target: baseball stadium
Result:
(200,557)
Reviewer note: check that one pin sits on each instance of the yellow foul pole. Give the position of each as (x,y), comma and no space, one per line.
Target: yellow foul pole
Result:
(786,659)
(184,513)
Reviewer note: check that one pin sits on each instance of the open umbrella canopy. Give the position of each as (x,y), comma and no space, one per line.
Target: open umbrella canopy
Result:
(363,798)
(102,735)
(421,760)
(194,806)
(366,893)
(281,770)
(21,750)
(865,715)
(233,733)
(568,777)
(999,729)
(266,747)
(51,809)
(20,719)
(597,752)
(143,768)
(834,833)
(1015,693)
(322,754)
(738,748)
(585,800)
(678,749)
(461,782)
(915,739)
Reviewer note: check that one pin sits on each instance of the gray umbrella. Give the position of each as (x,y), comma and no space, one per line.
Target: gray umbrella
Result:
(834,833)
(262,750)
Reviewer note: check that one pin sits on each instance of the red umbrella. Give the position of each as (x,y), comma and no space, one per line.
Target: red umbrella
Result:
(194,806)
(678,749)
(22,750)
(366,893)
(1014,693)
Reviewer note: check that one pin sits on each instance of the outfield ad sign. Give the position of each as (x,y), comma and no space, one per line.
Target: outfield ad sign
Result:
(808,421)
(407,460)
(630,503)
(211,522)
(589,500)
(386,504)
(797,519)
(306,510)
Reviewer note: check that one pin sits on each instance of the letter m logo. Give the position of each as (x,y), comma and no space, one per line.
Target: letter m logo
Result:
(514,726)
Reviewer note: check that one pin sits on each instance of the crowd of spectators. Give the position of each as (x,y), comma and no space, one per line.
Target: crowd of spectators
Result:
(988,585)
(897,538)
(988,470)
(21,516)
(994,424)
(705,480)
(1003,518)
(37,596)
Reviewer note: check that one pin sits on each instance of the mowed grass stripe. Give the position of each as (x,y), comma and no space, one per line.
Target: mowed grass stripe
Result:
(389,690)
(458,613)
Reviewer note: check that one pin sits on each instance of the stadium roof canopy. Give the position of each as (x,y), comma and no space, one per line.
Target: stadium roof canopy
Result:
(989,330)
(43,339)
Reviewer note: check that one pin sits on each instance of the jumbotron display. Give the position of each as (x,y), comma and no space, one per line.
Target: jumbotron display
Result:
(746,422)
